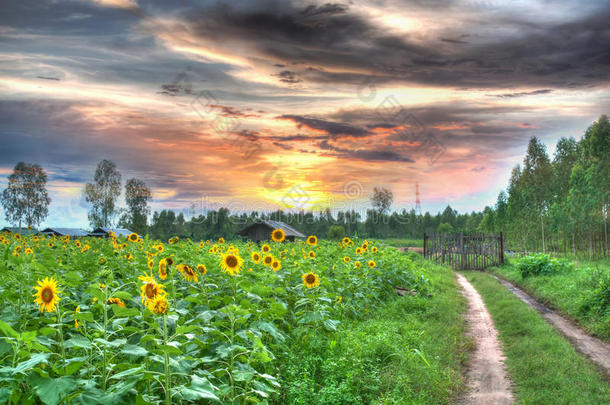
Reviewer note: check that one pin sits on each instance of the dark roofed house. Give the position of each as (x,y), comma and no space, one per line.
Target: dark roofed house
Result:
(103,232)
(72,232)
(20,231)
(261,230)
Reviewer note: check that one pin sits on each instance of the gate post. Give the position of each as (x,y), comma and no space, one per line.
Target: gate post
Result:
(462,250)
(501,248)
(425,244)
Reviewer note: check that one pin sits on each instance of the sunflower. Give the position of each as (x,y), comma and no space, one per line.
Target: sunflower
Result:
(133,237)
(372,263)
(268,260)
(76,320)
(169,261)
(102,260)
(77,243)
(111,234)
(202,269)
(312,240)
(231,263)
(46,294)
(221,240)
(150,288)
(278,235)
(346,259)
(163,269)
(365,245)
(29,251)
(158,305)
(159,248)
(256,257)
(311,254)
(116,301)
(311,280)
(150,264)
(266,248)
(187,272)
(50,244)
(358,251)
(374,249)
(346,240)
(276,265)
(357,264)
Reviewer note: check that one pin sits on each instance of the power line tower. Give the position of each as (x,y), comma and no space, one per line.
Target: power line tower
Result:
(417,202)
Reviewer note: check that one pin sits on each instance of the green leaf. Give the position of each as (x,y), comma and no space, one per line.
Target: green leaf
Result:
(84,316)
(270,329)
(52,390)
(78,341)
(32,362)
(112,343)
(331,324)
(124,312)
(7,330)
(128,372)
(134,350)
(125,296)
(200,388)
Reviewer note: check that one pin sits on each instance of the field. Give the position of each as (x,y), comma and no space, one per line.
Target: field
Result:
(401,242)
(139,321)
(579,291)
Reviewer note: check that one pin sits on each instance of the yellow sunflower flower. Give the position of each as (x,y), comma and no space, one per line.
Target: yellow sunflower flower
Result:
(374,249)
(311,254)
(357,264)
(150,288)
(76,320)
(133,237)
(202,269)
(312,240)
(221,240)
(47,294)
(372,263)
(163,269)
(116,301)
(278,235)
(158,305)
(256,257)
(187,272)
(231,263)
(266,248)
(276,265)
(346,259)
(268,260)
(311,280)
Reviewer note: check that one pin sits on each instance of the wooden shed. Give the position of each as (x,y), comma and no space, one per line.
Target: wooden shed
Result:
(261,230)
(103,232)
(72,232)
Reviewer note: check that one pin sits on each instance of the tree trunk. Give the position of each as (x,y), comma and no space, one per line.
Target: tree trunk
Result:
(542,227)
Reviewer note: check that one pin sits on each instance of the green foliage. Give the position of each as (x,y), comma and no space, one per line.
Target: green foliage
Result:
(542,264)
(336,232)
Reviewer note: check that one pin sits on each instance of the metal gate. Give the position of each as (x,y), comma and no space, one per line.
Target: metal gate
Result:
(465,252)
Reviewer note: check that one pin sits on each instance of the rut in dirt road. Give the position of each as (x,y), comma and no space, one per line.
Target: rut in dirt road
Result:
(597,350)
(488,381)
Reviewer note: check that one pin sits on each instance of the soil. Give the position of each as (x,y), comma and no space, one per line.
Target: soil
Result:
(488,381)
(596,350)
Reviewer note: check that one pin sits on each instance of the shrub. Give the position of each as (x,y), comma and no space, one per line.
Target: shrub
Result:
(541,264)
(336,232)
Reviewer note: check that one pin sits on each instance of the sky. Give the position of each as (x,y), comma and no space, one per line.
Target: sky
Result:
(259,105)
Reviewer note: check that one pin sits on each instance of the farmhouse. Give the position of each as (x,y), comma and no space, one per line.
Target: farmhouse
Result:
(72,232)
(261,230)
(20,231)
(104,232)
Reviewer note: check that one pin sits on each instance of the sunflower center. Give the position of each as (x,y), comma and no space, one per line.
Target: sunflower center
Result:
(47,295)
(150,291)
(231,261)
(310,279)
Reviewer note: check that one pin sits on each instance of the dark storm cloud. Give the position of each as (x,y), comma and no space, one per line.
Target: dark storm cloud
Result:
(564,53)
(524,93)
(331,128)
(367,155)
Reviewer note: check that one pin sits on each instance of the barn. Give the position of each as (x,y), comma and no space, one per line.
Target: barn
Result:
(72,232)
(260,231)
(103,232)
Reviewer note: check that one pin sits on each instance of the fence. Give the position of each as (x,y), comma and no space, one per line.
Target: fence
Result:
(465,252)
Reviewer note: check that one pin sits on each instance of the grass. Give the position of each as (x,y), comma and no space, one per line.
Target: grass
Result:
(402,242)
(410,350)
(543,366)
(575,293)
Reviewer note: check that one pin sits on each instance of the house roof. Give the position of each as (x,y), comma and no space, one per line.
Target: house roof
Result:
(21,231)
(117,231)
(66,231)
(288,230)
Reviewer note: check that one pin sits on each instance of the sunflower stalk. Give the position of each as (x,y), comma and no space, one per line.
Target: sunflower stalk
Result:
(168,376)
(61,339)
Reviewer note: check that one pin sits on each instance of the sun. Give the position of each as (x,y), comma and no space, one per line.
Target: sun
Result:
(46,294)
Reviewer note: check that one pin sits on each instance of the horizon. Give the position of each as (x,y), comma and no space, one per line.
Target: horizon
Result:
(281,105)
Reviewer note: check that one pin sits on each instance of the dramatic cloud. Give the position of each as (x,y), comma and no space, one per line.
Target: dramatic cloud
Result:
(236,103)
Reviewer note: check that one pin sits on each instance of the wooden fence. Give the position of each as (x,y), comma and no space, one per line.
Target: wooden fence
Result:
(465,252)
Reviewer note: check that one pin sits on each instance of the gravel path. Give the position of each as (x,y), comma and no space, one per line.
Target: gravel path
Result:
(488,381)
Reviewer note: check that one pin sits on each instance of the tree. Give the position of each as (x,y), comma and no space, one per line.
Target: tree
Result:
(382,199)
(444,227)
(137,196)
(336,232)
(26,198)
(103,193)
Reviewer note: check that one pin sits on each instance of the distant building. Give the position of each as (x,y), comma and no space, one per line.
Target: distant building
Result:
(20,231)
(103,232)
(72,232)
(261,230)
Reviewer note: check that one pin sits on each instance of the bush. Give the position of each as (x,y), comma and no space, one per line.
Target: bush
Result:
(336,232)
(542,264)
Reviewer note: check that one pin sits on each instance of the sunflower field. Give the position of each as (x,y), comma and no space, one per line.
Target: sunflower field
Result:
(132,320)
